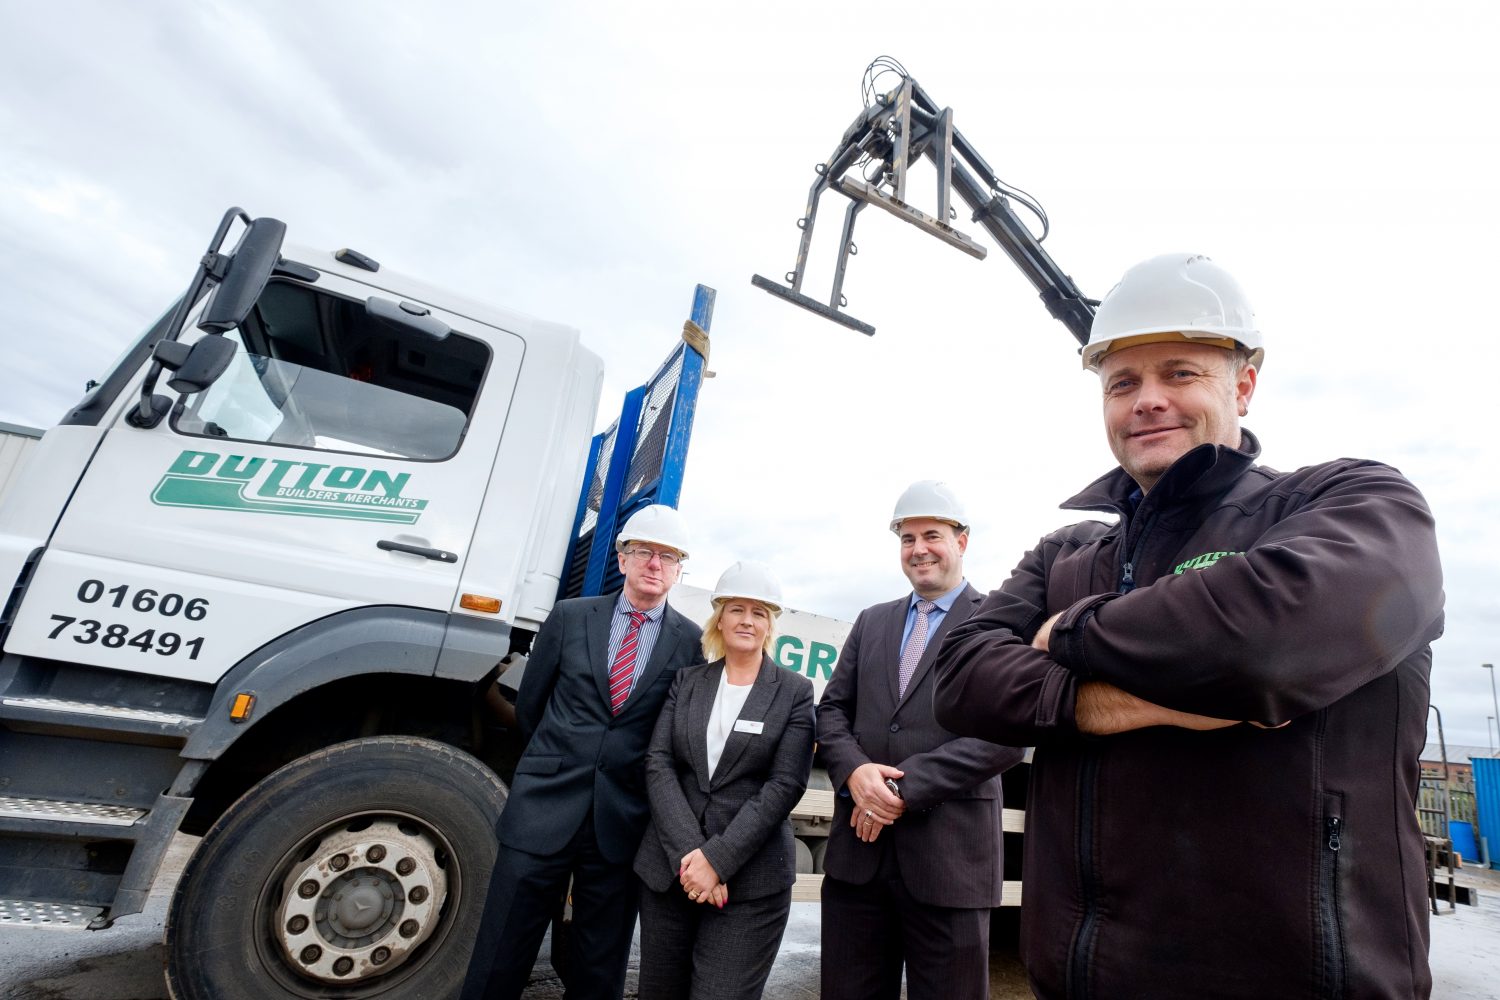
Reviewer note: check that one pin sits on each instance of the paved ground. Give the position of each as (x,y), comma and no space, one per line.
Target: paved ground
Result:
(125,963)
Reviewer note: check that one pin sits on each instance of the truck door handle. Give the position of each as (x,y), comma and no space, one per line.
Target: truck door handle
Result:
(417,550)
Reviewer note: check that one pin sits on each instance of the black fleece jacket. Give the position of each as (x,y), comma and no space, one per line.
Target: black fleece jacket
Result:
(1247,862)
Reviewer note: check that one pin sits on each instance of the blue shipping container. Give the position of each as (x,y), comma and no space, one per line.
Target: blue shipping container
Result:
(1487,799)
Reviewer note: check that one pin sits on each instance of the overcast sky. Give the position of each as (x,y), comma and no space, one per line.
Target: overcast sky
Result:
(589,163)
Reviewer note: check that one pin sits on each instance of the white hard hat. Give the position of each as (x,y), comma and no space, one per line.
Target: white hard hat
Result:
(751,580)
(1177,296)
(930,498)
(657,524)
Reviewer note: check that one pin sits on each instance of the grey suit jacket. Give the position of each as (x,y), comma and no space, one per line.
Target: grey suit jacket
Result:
(738,814)
(948,841)
(579,756)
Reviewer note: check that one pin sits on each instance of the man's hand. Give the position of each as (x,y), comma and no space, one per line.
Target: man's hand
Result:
(1043,638)
(697,876)
(874,805)
(1103,709)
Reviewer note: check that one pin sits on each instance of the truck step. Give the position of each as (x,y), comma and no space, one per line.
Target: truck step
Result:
(46,916)
(102,711)
(98,813)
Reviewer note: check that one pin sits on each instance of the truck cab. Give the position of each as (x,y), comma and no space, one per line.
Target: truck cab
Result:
(255,608)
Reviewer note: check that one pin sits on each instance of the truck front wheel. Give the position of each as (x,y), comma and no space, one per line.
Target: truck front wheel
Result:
(357,871)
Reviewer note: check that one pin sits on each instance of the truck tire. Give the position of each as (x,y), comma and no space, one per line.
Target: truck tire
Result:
(357,871)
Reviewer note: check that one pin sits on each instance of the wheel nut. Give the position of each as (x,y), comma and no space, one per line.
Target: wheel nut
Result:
(343,966)
(418,894)
(376,854)
(338,862)
(380,955)
(311,954)
(297,924)
(409,928)
(405,866)
(308,889)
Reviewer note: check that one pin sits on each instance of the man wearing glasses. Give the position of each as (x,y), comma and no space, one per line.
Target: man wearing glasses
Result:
(599,672)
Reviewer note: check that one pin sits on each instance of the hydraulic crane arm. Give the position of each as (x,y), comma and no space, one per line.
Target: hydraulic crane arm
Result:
(869,167)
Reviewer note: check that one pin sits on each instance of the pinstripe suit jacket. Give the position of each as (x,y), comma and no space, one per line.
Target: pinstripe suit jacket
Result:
(579,756)
(948,842)
(738,814)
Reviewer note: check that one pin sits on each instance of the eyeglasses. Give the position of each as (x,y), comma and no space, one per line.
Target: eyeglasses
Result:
(644,556)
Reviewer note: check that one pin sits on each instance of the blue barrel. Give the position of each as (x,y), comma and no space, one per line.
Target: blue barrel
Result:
(1487,798)
(1462,835)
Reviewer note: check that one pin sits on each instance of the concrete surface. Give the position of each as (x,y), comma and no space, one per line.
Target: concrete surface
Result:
(125,962)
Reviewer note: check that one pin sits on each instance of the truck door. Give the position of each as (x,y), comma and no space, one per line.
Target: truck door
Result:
(340,462)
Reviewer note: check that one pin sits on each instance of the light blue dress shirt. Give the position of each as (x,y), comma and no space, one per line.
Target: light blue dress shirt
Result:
(934,617)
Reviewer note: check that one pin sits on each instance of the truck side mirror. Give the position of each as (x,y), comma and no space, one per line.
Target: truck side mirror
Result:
(204,362)
(245,276)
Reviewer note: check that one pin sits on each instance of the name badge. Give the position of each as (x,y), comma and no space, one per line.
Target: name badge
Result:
(747,726)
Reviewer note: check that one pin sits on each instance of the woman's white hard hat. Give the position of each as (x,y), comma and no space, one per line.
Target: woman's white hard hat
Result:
(751,580)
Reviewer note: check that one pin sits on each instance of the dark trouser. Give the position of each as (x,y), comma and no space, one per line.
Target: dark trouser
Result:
(524,894)
(696,951)
(869,930)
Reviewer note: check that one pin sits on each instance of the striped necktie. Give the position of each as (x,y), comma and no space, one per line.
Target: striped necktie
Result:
(915,644)
(623,670)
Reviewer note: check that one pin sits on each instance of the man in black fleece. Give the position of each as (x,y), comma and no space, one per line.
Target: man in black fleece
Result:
(1227,689)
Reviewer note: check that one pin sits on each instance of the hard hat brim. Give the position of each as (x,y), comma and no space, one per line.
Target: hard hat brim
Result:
(1095,354)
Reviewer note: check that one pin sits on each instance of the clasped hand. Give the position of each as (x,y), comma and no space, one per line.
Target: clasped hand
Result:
(700,881)
(875,806)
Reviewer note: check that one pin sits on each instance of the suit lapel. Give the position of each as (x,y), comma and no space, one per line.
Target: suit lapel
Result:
(600,617)
(695,713)
(890,635)
(963,607)
(756,706)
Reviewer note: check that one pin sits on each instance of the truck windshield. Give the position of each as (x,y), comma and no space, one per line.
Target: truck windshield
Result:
(313,370)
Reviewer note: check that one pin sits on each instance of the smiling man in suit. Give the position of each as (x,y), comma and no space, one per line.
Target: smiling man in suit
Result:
(914,864)
(599,672)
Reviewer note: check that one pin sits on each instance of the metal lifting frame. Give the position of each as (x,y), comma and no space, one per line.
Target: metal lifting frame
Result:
(899,127)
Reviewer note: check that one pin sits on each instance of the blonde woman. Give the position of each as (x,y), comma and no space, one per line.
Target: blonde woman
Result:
(728,760)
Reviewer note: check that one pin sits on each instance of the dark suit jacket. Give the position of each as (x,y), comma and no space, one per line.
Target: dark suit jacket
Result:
(948,841)
(737,815)
(578,755)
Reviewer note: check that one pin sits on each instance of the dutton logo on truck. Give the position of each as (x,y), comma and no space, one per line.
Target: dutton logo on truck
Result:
(205,479)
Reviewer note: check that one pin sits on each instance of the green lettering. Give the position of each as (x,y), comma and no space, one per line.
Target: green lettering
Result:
(194,463)
(279,468)
(789,653)
(390,485)
(821,656)
(344,478)
(305,482)
(239,467)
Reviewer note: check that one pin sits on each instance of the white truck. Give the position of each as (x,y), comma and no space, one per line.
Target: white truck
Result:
(253,603)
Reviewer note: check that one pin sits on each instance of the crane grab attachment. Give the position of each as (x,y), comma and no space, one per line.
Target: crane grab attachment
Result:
(870,166)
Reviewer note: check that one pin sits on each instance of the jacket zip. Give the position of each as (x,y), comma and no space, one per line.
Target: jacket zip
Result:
(1083,944)
(1328,907)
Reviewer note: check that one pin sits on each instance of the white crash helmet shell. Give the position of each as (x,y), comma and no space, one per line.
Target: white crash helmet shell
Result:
(657,524)
(1177,296)
(751,580)
(930,498)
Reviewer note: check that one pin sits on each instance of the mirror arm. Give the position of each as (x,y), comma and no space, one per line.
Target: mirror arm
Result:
(211,268)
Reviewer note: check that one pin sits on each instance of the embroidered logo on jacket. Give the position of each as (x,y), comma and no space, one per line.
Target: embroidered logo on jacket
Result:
(1204,561)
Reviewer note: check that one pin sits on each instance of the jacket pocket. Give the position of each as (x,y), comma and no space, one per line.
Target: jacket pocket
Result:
(538,764)
(1330,897)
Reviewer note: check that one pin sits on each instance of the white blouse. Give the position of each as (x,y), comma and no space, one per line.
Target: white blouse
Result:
(728,701)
